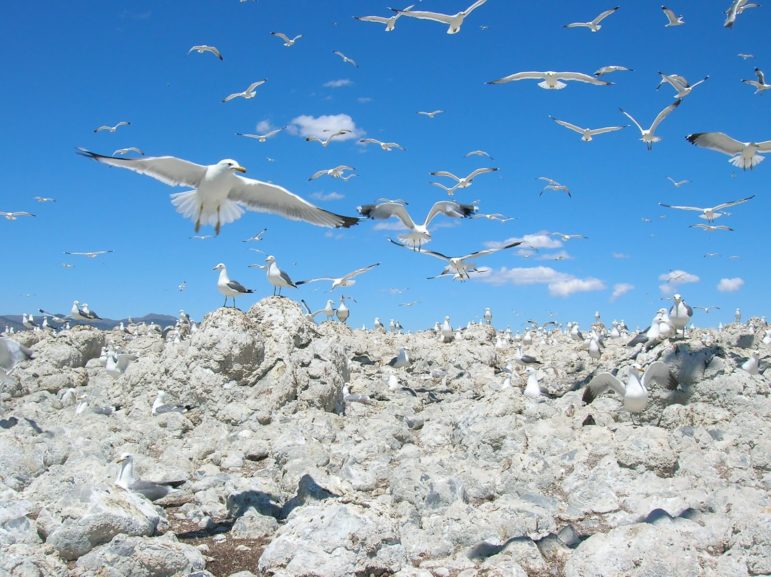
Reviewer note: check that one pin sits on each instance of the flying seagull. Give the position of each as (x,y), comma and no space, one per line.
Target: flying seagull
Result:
(259,236)
(90,254)
(345,58)
(390,23)
(218,195)
(261,137)
(566,237)
(432,114)
(453,21)
(134,149)
(106,128)
(201,48)
(679,83)
(229,288)
(608,69)
(743,155)
(745,56)
(43,199)
(593,25)
(325,141)
(648,136)
(336,172)
(450,190)
(287,41)
(551,80)
(759,84)
(14,215)
(344,281)
(247,94)
(736,8)
(387,146)
(478,153)
(710,213)
(711,227)
(677,183)
(586,133)
(553,185)
(467,180)
(672,18)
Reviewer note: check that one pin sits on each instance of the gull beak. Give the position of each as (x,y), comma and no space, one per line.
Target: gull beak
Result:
(240,169)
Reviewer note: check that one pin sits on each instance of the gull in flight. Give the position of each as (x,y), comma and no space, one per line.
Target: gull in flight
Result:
(336,172)
(467,180)
(707,309)
(593,25)
(14,215)
(459,266)
(390,23)
(325,141)
(672,18)
(229,288)
(745,56)
(608,69)
(387,146)
(90,254)
(201,48)
(759,84)
(276,276)
(648,136)
(635,392)
(43,199)
(566,237)
(710,213)
(679,83)
(259,236)
(677,183)
(711,227)
(418,233)
(494,216)
(219,195)
(248,93)
(453,21)
(449,190)
(478,153)
(344,281)
(743,155)
(586,133)
(551,80)
(736,8)
(261,137)
(122,151)
(553,185)
(432,114)
(201,237)
(345,58)
(287,41)
(105,128)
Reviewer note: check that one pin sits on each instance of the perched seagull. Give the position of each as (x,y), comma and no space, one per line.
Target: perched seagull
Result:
(752,365)
(287,41)
(566,237)
(401,360)
(259,236)
(390,23)
(261,137)
(648,136)
(710,213)
(163,404)
(344,281)
(525,360)
(586,133)
(345,58)
(532,388)
(149,489)
(229,288)
(478,153)
(454,21)
(342,311)
(677,183)
(83,313)
(14,215)
(488,316)
(12,353)
(679,83)
(680,314)
(277,277)
(418,233)
(218,195)
(250,92)
(432,114)
(759,84)
(44,199)
(608,69)
(672,18)
(387,146)
(551,80)
(201,48)
(466,181)
(336,172)
(743,155)
(105,128)
(91,254)
(635,392)
(711,227)
(736,8)
(553,185)
(325,141)
(593,25)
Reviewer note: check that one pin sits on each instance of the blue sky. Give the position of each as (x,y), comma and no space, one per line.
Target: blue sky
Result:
(77,65)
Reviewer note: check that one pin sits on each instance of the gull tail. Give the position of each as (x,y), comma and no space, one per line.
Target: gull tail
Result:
(557,85)
(740,162)
(188,205)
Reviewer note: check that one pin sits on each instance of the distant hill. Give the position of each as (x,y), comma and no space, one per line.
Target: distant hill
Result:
(104,324)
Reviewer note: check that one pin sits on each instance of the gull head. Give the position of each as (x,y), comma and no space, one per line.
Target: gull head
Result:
(677,298)
(231,164)
(124,458)
(220,266)
(270,259)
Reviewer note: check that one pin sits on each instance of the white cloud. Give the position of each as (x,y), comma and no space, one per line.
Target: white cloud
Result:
(620,289)
(619,255)
(323,126)
(364,99)
(339,83)
(729,285)
(565,288)
(264,126)
(536,240)
(328,196)
(674,278)
(559,283)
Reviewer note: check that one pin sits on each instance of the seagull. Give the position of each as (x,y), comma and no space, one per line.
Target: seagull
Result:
(287,41)
(525,360)
(677,183)
(201,48)
(711,227)
(647,135)
(736,8)
(707,309)
(389,22)
(454,21)
(12,353)
(218,195)
(258,236)
(250,92)
(163,404)
(342,311)
(593,25)
(551,80)
(752,365)
(336,172)
(672,18)
(400,360)
(260,137)
(635,392)
(680,314)
(553,185)
(14,215)
(83,313)
(478,153)
(566,237)
(149,489)
(344,281)
(277,277)
(325,141)
(759,84)
(711,213)
(387,146)
(679,83)
(91,254)
(122,151)
(105,128)
(44,199)
(460,266)
(586,133)
(608,69)
(432,114)
(494,216)
(345,58)
(743,155)
(418,233)
(201,237)
(466,181)
(229,288)
(744,56)
(449,190)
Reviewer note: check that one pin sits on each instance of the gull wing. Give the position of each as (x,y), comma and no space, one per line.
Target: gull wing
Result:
(596,131)
(479,171)
(254,85)
(491,250)
(318,174)
(663,114)
(519,76)
(760,75)
(433,253)
(478,153)
(581,77)
(764,146)
(449,190)
(168,169)
(573,127)
(718,141)
(237,286)
(603,15)
(669,14)
(630,117)
(732,203)
(693,208)
(451,209)
(299,282)
(386,210)
(658,372)
(362,270)
(601,383)
(425,15)
(264,197)
(378,19)
(281,35)
(473,7)
(370,141)
(445,173)
(549,180)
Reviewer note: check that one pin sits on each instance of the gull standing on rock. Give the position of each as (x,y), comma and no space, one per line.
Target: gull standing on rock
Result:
(277,277)
(453,21)
(401,360)
(648,136)
(342,311)
(532,388)
(153,491)
(227,287)
(680,314)
(635,392)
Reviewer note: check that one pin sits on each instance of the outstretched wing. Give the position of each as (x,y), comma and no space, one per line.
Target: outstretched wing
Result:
(386,210)
(530,75)
(362,270)
(451,209)
(601,383)
(663,114)
(718,141)
(732,203)
(168,169)
(659,372)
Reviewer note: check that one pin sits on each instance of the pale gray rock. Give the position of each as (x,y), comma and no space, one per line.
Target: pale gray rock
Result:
(24,560)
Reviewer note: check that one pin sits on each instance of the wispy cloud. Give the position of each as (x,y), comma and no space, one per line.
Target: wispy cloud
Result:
(339,83)
(729,285)
(559,283)
(328,196)
(674,278)
(264,126)
(620,289)
(323,126)
(619,255)
(364,99)
(541,239)
(565,288)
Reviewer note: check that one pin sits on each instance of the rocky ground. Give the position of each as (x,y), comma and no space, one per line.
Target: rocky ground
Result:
(439,469)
